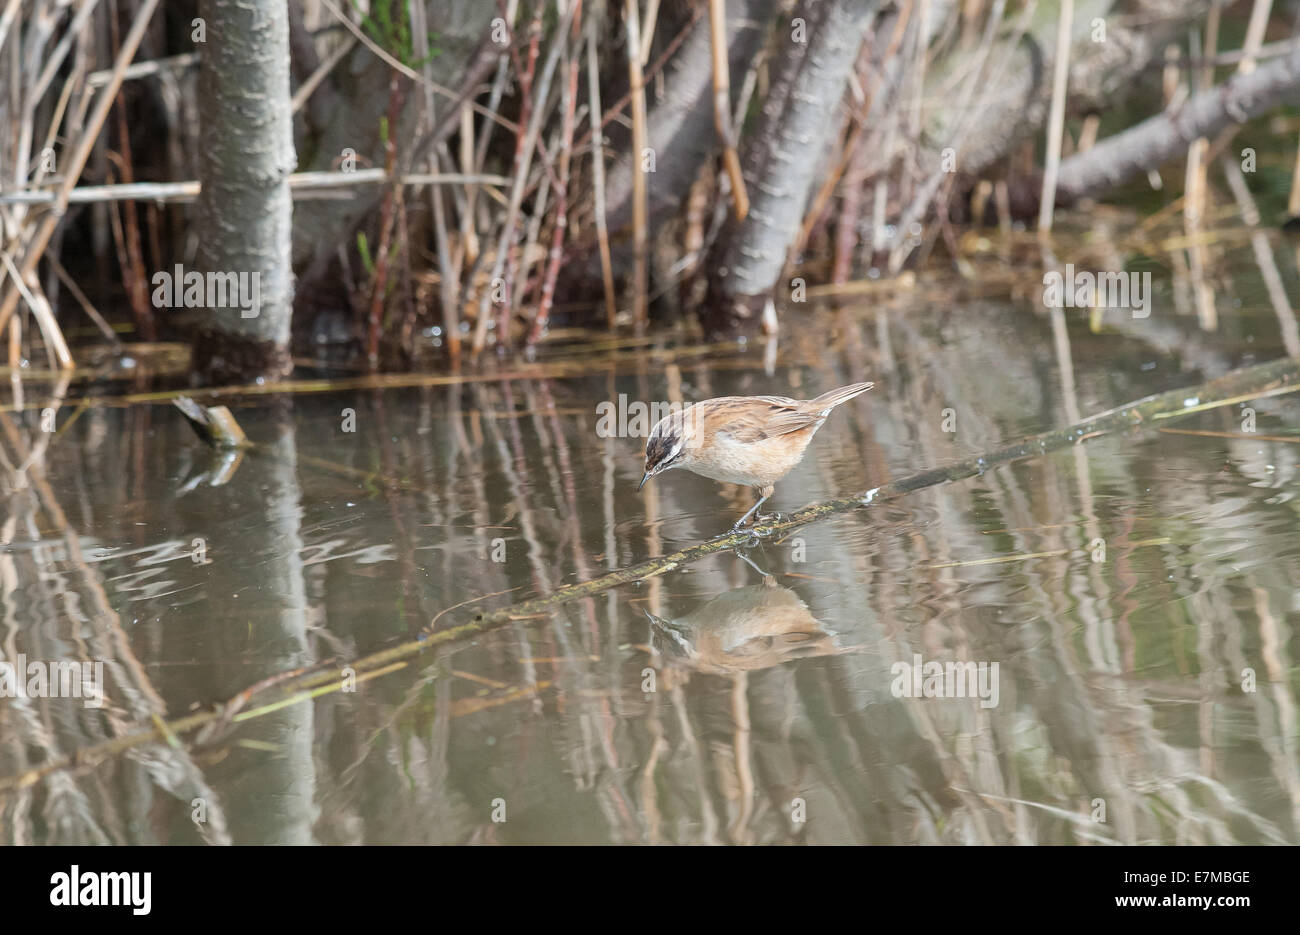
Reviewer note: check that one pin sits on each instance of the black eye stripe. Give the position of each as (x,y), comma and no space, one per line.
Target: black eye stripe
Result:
(658,448)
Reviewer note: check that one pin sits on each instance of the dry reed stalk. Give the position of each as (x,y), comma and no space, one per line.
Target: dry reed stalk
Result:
(1254,40)
(1002,201)
(7,19)
(1264,257)
(143,69)
(1056,122)
(474,153)
(648,30)
(56,348)
(1293,202)
(569,105)
(905,281)
(134,275)
(456,96)
(55,127)
(722,108)
(448,277)
(516,275)
(522,280)
(379,287)
(80,154)
(1195,189)
(1250,51)
(616,109)
(1088,132)
(299,182)
(56,118)
(854,174)
(919,66)
(1244,436)
(126,232)
(640,214)
(468,226)
(925,195)
(91,312)
(323,71)
(598,174)
(524,154)
(16,360)
(56,57)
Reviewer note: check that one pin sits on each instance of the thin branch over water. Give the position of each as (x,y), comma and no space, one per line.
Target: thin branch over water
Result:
(1272,379)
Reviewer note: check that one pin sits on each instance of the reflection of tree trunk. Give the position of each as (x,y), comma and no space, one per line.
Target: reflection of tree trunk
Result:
(270,795)
(784,152)
(245,209)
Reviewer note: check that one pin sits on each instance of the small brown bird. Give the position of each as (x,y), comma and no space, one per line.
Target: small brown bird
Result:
(753,440)
(744,630)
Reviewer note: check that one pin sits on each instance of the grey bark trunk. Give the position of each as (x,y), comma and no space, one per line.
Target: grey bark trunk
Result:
(783,154)
(1165,136)
(1014,107)
(245,208)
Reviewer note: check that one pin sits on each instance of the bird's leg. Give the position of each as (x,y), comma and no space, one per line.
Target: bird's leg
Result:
(746,559)
(763,495)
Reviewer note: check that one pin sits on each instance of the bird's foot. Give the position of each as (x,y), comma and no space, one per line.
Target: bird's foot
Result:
(750,525)
(740,527)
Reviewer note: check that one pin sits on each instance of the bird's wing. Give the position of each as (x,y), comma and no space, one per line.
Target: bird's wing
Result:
(747,422)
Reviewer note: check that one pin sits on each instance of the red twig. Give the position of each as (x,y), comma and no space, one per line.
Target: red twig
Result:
(561,193)
(380,285)
(526,74)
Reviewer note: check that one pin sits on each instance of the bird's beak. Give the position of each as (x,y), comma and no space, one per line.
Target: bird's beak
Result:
(645,477)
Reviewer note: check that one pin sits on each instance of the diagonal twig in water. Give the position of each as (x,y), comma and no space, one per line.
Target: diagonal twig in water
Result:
(1271,379)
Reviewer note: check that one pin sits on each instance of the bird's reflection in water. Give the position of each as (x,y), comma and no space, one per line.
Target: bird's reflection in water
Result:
(738,632)
(744,630)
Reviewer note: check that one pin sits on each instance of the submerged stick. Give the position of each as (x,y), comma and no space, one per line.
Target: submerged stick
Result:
(1271,379)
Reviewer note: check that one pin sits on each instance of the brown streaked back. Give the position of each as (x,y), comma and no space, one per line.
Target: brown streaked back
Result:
(754,418)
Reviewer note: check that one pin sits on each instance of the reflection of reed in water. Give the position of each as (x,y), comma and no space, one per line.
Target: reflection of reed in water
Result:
(53,588)
(744,630)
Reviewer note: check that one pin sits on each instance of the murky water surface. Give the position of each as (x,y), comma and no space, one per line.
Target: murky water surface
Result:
(1136,594)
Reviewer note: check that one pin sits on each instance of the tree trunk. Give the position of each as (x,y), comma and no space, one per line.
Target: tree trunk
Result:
(783,154)
(1165,136)
(245,208)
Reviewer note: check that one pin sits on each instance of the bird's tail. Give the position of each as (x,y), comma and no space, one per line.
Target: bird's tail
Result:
(828,401)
